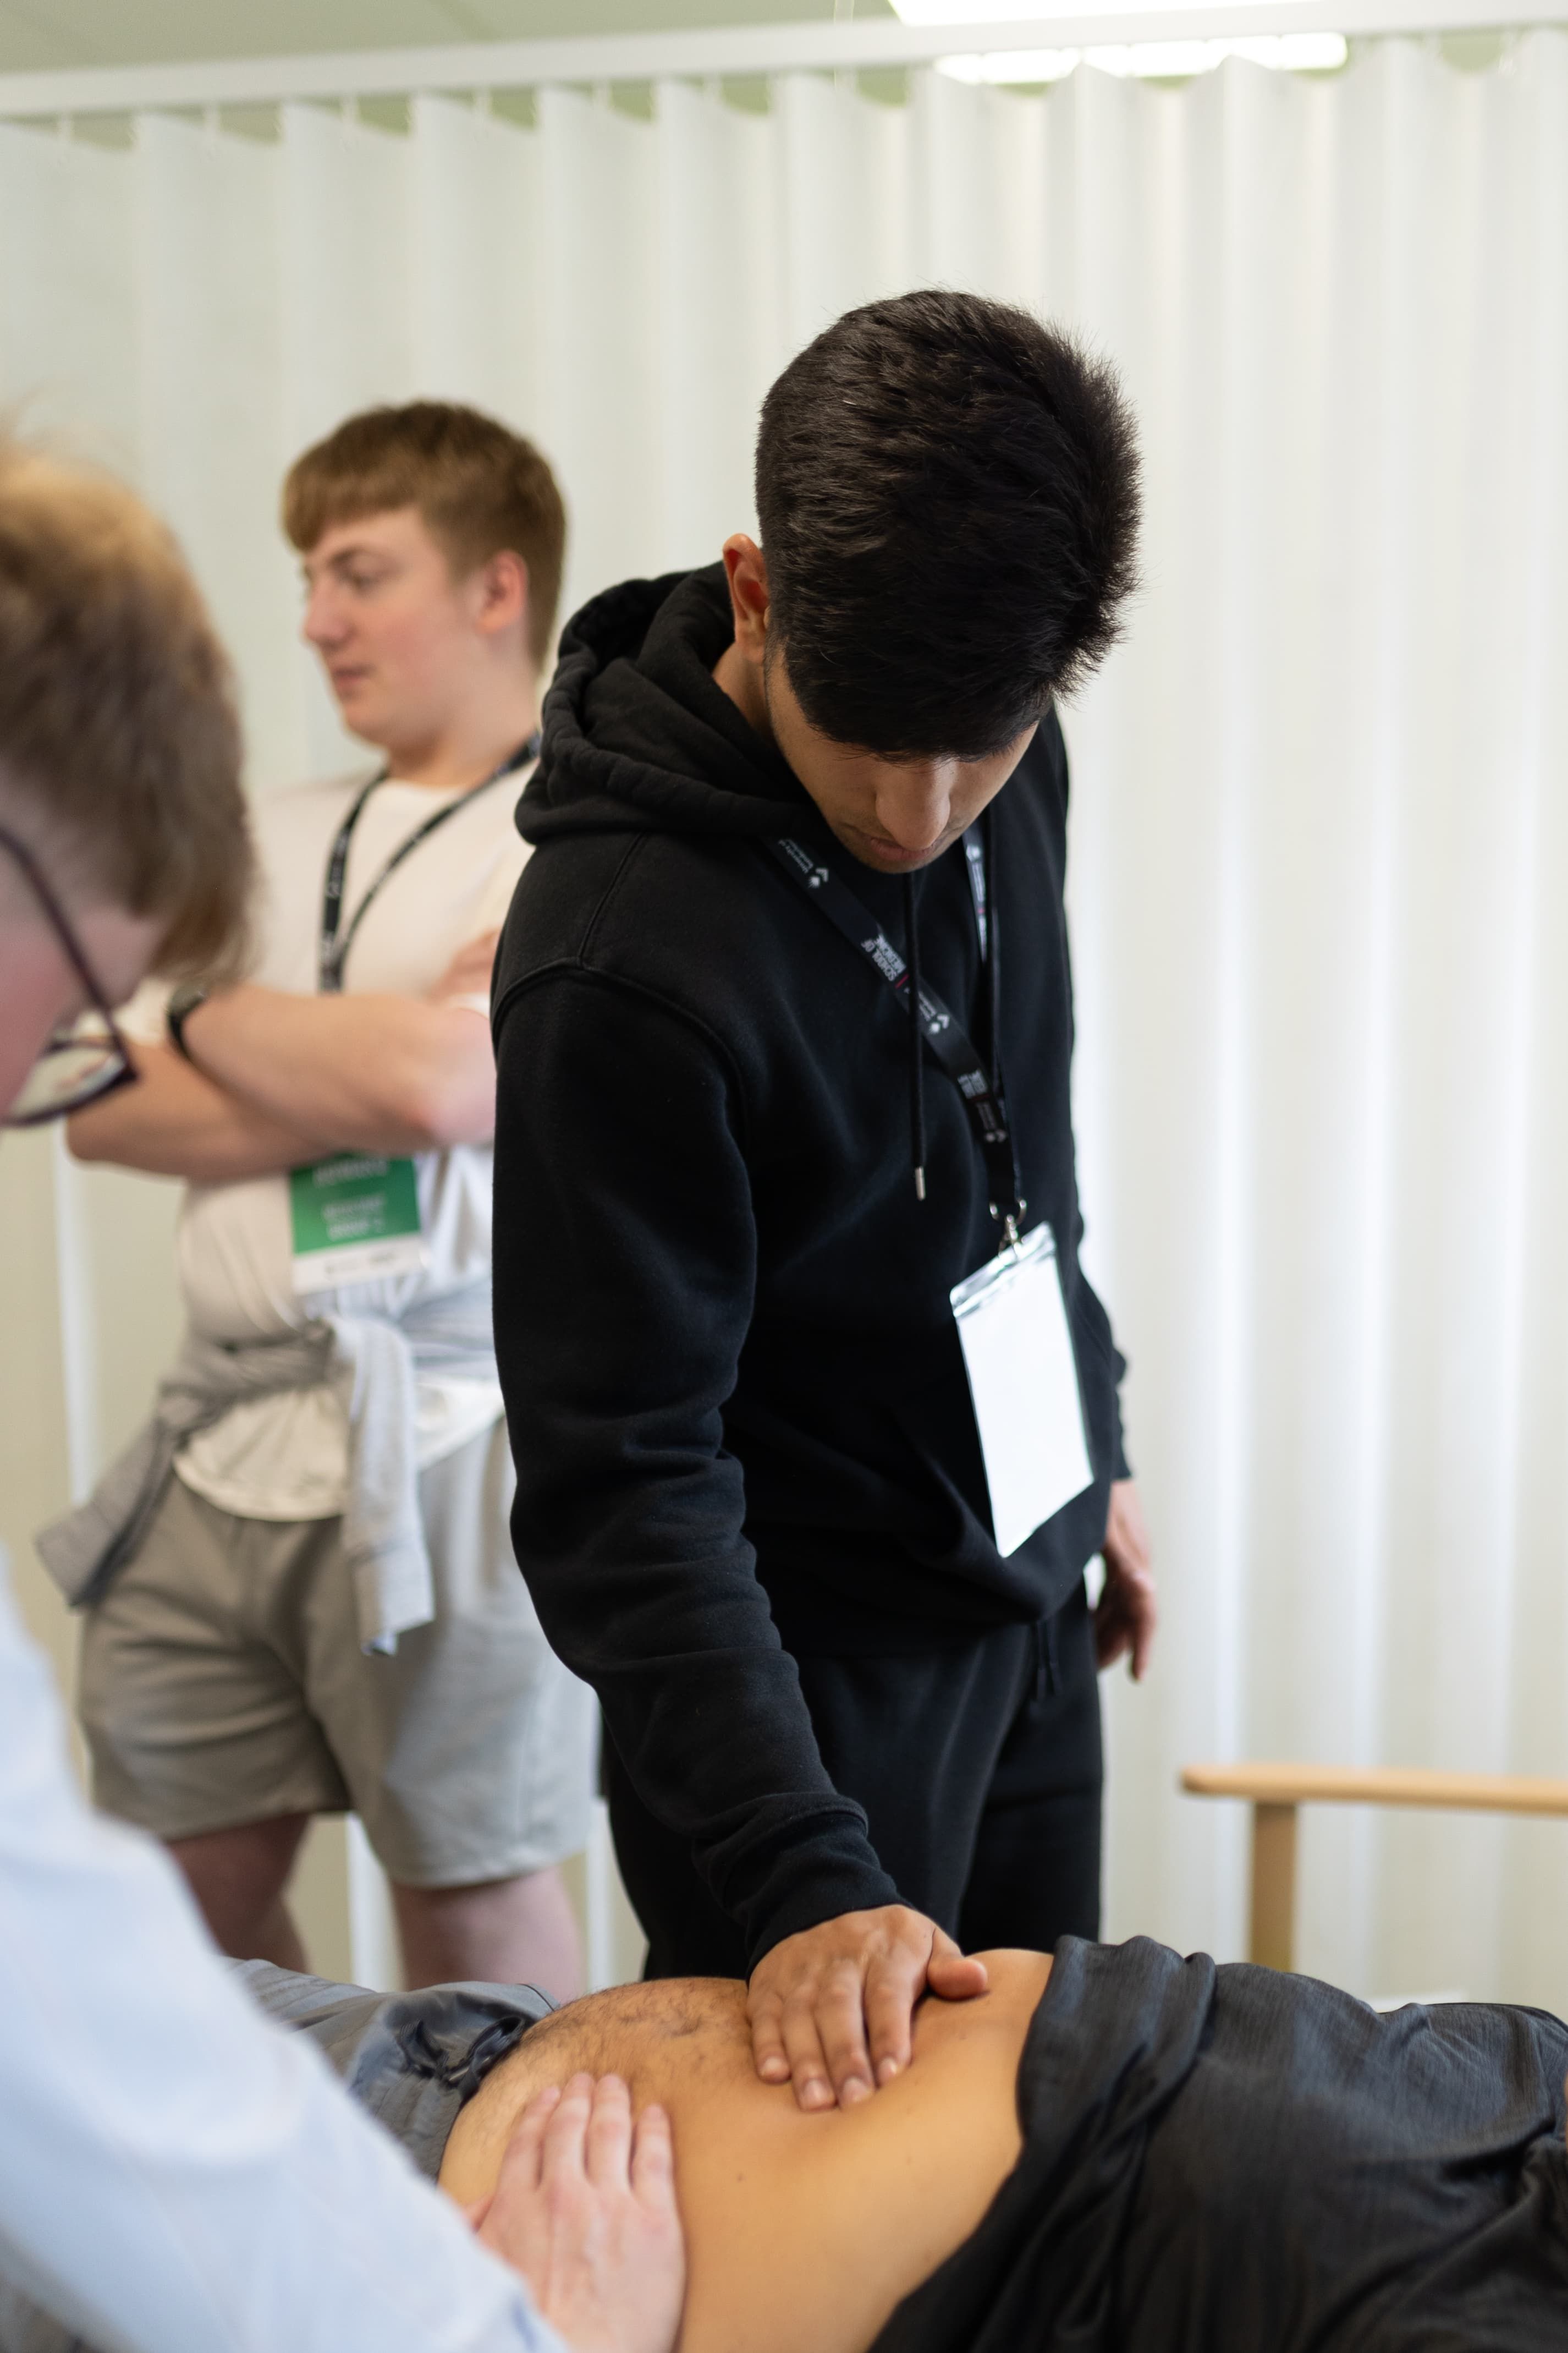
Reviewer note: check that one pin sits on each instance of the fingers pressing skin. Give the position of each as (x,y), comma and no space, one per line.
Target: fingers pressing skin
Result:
(521,2159)
(950,1974)
(653,2161)
(768,2053)
(566,2131)
(825,2034)
(608,2144)
(804,2055)
(831,2007)
(953,1974)
(585,2206)
(894,1983)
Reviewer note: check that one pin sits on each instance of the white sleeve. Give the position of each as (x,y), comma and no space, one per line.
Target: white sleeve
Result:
(492,914)
(141,1016)
(177,2175)
(497,896)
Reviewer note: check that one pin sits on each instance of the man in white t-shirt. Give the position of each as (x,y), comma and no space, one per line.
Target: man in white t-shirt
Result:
(299,1589)
(176,2174)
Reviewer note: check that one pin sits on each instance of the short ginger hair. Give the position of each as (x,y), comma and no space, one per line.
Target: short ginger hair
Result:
(120,745)
(479,488)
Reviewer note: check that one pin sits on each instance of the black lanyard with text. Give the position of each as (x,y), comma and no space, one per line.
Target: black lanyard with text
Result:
(942,1032)
(332,953)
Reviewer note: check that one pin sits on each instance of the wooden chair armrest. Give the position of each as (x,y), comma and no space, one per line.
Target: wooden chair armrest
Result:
(1354,1784)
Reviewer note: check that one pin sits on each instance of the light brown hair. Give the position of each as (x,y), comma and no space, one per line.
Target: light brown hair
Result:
(479,488)
(117,730)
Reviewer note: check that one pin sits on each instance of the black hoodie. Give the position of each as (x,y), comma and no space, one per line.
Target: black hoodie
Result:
(734,1381)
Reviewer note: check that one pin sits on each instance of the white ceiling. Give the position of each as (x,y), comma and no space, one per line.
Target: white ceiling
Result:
(41,34)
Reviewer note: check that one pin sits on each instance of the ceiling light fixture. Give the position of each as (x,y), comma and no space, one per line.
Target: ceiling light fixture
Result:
(1155,60)
(1005,11)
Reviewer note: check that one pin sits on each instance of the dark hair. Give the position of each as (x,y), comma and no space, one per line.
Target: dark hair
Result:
(948,494)
(478,487)
(118,731)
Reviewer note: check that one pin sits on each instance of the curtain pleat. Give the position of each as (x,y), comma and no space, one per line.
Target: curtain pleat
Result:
(1319,835)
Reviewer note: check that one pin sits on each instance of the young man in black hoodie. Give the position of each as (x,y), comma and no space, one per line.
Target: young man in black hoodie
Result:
(849,1678)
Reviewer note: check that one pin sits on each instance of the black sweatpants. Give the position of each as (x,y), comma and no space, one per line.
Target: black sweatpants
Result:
(980,1770)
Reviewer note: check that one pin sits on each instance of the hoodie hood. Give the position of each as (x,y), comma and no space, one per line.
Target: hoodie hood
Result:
(638,737)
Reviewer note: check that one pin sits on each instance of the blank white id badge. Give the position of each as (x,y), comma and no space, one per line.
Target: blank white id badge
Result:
(1017,1351)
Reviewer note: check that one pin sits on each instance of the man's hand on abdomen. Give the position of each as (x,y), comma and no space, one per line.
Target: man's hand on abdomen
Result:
(832,2008)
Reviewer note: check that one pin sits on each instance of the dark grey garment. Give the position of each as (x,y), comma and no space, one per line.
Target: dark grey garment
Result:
(26,2327)
(1233,2161)
(411,2060)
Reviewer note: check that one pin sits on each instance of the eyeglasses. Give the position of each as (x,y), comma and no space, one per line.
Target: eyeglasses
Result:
(86,1059)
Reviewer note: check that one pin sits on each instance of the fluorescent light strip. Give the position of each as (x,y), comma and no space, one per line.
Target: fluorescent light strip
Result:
(991,12)
(1012,65)
(1155,60)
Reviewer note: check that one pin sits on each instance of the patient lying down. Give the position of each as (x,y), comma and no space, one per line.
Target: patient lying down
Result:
(1125,2150)
(1122,2149)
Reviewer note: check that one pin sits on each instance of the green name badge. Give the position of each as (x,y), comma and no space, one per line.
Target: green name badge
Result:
(356,1219)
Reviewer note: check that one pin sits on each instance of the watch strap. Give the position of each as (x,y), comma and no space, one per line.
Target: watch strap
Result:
(181,1005)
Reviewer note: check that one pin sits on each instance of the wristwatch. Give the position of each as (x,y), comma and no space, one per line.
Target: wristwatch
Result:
(181,1004)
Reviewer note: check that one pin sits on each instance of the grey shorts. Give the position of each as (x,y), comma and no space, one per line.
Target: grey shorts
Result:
(222,1683)
(411,2060)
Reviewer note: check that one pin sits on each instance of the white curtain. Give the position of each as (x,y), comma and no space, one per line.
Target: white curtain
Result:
(1319,835)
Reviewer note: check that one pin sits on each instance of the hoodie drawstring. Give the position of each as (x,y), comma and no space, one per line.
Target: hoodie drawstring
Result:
(917,1042)
(991,949)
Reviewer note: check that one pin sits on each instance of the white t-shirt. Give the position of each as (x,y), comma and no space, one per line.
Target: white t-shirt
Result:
(286,1457)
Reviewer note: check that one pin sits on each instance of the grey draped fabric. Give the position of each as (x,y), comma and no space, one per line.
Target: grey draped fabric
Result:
(372,1362)
(412,2060)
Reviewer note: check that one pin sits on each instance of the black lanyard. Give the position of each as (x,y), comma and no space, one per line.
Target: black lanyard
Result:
(332,953)
(980,1088)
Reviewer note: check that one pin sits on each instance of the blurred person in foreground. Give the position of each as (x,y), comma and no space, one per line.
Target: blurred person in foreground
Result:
(177,2175)
(298,1584)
